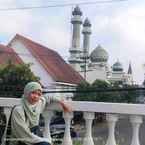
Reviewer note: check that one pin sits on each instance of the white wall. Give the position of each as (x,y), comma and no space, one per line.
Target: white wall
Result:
(36,68)
(96,73)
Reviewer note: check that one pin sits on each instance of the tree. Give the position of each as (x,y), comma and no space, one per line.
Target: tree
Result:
(89,93)
(13,78)
(102,95)
(80,96)
(100,91)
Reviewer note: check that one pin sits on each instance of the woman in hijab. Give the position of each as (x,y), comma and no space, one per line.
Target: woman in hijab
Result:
(25,117)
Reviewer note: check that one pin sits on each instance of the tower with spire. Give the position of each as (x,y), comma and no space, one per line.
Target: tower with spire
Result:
(75,50)
(130,74)
(86,36)
(93,65)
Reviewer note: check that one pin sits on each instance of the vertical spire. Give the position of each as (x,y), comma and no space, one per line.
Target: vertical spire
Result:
(129,69)
(86,38)
(75,49)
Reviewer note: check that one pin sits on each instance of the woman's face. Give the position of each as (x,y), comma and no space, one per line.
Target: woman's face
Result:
(34,97)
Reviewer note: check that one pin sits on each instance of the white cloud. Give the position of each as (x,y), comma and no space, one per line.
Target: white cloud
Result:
(15,22)
(6,3)
(56,38)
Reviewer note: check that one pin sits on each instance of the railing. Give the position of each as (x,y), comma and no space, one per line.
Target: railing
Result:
(135,113)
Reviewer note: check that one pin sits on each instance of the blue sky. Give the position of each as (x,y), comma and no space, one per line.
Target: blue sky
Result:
(119,27)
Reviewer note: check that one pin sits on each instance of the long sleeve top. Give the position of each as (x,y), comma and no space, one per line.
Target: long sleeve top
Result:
(20,126)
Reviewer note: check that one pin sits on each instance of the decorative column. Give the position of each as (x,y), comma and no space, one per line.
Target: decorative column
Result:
(88,140)
(47,118)
(75,49)
(111,119)
(136,121)
(67,136)
(86,39)
(7,112)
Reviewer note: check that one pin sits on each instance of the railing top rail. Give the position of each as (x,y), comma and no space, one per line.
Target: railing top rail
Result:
(9,102)
(119,108)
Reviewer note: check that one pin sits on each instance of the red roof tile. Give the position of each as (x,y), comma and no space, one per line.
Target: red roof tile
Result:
(54,64)
(7,54)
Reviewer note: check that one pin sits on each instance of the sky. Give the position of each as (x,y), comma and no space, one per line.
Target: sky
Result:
(118,26)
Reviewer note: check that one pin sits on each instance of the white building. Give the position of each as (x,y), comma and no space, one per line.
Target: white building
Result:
(93,65)
(54,73)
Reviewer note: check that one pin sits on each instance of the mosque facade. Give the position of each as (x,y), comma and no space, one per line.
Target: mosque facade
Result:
(93,65)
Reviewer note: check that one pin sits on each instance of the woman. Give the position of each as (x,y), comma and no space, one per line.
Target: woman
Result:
(25,117)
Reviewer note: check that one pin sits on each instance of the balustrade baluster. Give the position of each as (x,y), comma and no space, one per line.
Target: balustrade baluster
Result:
(135,121)
(47,118)
(111,120)
(67,136)
(88,140)
(7,112)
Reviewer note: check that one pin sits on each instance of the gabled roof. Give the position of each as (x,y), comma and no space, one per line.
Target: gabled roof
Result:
(53,63)
(7,54)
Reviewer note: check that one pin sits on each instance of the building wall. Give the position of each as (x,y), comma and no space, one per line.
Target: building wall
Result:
(117,76)
(36,67)
(94,73)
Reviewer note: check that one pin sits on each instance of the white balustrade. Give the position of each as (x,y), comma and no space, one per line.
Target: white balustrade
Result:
(136,120)
(135,111)
(47,119)
(7,111)
(88,140)
(67,136)
(111,120)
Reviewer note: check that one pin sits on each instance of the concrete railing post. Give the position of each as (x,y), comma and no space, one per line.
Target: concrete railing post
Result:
(111,119)
(47,118)
(88,139)
(67,136)
(136,121)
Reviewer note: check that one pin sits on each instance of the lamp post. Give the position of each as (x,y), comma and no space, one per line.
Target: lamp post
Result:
(85,57)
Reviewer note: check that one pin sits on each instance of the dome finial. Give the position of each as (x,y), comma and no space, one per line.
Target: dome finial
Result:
(77,11)
(87,23)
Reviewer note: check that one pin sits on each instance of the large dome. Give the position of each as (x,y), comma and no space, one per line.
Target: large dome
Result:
(99,55)
(117,66)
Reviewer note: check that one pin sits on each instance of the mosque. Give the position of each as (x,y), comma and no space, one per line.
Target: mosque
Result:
(93,65)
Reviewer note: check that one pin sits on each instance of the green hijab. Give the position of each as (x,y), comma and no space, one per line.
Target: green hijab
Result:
(32,115)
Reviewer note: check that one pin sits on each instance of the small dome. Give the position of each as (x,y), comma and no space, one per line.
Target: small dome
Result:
(117,66)
(99,55)
(77,11)
(87,23)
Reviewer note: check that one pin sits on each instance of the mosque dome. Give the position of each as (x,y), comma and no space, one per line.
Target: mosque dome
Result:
(77,11)
(99,55)
(117,66)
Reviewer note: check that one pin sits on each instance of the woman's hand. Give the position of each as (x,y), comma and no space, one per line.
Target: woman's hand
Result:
(66,107)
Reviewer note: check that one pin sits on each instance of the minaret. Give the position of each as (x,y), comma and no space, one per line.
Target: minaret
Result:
(75,50)
(86,39)
(130,69)
(86,44)
(130,75)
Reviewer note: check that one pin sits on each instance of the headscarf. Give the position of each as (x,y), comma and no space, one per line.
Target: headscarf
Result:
(32,115)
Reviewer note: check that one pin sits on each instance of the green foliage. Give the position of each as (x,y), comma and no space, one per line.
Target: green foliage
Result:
(83,86)
(76,142)
(13,78)
(103,95)
(128,96)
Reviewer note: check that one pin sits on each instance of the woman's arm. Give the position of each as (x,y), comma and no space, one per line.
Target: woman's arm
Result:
(55,99)
(66,107)
(20,129)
